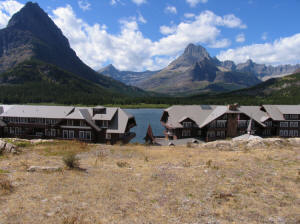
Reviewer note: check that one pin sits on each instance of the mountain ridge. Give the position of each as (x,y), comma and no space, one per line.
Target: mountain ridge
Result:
(31,34)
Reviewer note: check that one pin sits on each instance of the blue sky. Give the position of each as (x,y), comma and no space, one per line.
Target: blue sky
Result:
(148,34)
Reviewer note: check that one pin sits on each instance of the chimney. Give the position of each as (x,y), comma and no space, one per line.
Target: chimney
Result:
(233,107)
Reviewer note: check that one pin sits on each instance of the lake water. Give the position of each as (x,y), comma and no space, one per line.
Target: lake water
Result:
(143,118)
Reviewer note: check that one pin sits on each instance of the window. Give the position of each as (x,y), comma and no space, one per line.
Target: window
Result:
(296,133)
(17,131)
(186,133)
(294,124)
(88,135)
(211,134)
(187,124)
(268,123)
(284,124)
(70,122)
(242,123)
(221,134)
(81,135)
(71,134)
(82,123)
(104,124)
(267,132)
(47,132)
(53,132)
(221,124)
(65,134)
(6,130)
(11,130)
(286,116)
(85,135)
(212,124)
(52,121)
(285,133)
(108,136)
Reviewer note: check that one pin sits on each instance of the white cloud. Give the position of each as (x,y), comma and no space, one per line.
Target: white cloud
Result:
(7,9)
(84,5)
(240,38)
(264,36)
(168,29)
(171,9)
(130,50)
(139,2)
(189,15)
(193,3)
(141,18)
(282,51)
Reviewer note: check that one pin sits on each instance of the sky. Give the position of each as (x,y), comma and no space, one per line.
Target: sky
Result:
(140,35)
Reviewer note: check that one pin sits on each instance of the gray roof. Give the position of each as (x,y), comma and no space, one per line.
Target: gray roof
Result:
(204,114)
(118,117)
(4,108)
(119,122)
(110,112)
(54,112)
(276,112)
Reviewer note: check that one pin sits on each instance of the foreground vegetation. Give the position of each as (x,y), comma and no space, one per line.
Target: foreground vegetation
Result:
(142,184)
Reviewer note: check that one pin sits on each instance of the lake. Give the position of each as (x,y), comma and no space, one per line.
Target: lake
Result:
(143,118)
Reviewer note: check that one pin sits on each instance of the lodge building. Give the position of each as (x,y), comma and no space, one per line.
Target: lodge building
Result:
(212,122)
(89,124)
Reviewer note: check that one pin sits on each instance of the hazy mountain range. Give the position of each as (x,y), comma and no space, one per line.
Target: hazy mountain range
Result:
(195,71)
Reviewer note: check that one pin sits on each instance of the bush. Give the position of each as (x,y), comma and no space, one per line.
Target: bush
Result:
(122,164)
(5,184)
(71,161)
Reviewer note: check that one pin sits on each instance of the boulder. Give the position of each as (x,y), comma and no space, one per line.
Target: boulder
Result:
(10,148)
(44,168)
(2,145)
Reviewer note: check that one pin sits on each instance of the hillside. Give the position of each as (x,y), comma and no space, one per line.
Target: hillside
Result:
(31,34)
(205,183)
(196,72)
(39,82)
(284,90)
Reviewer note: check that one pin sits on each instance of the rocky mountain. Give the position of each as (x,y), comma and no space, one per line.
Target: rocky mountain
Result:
(262,71)
(31,34)
(127,77)
(195,71)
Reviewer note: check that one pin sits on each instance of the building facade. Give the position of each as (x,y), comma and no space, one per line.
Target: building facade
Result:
(211,122)
(90,124)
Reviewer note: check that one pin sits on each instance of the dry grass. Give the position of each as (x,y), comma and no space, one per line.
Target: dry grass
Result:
(156,185)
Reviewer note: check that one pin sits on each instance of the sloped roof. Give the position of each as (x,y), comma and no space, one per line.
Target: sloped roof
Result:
(54,112)
(255,113)
(197,113)
(110,112)
(276,112)
(204,114)
(4,108)
(119,122)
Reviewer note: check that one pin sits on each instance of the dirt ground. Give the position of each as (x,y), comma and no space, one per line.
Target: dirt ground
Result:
(142,184)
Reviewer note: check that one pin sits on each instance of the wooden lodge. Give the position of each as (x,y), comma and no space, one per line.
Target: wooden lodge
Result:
(211,122)
(90,124)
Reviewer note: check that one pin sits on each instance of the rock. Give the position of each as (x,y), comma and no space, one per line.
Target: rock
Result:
(293,141)
(2,145)
(10,148)
(44,168)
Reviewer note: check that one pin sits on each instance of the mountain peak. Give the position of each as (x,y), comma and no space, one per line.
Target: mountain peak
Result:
(32,18)
(195,51)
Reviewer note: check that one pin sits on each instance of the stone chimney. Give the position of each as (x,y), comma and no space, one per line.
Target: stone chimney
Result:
(233,107)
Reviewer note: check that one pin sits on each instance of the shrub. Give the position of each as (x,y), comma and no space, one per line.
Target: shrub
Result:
(5,184)
(71,161)
(122,164)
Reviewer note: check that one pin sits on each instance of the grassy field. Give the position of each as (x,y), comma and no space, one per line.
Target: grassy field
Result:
(142,184)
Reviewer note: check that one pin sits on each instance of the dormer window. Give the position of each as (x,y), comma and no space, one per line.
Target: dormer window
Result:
(187,124)
(104,124)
